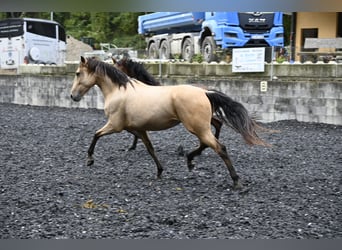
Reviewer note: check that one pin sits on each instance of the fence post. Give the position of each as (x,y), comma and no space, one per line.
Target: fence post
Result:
(272,55)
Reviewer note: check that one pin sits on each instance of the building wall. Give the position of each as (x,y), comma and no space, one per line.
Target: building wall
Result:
(326,22)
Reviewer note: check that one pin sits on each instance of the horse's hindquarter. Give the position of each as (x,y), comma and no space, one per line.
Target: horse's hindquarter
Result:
(193,107)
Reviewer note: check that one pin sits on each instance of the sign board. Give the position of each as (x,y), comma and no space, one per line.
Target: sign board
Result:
(249,60)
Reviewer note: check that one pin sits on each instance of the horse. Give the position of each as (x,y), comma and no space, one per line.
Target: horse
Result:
(138,71)
(131,105)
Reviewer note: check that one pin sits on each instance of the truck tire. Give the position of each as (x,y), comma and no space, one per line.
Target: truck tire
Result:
(187,50)
(164,50)
(153,51)
(208,49)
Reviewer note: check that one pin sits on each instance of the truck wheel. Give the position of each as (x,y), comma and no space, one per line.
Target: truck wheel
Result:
(187,50)
(153,51)
(164,50)
(208,49)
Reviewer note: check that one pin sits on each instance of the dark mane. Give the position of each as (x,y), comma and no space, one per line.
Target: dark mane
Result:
(138,71)
(105,69)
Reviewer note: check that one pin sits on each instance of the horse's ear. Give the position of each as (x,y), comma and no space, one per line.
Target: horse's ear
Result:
(113,59)
(125,58)
(83,60)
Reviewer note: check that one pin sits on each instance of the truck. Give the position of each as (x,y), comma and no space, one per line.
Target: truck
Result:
(184,34)
(31,41)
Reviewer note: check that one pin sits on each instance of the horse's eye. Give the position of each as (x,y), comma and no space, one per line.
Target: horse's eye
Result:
(77,74)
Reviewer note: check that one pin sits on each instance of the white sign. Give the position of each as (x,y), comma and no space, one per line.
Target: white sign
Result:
(249,60)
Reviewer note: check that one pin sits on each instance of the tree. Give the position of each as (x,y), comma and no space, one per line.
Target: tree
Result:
(78,24)
(119,28)
(100,26)
(127,22)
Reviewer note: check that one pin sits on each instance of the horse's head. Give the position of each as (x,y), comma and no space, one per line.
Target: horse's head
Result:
(120,64)
(83,81)
(134,69)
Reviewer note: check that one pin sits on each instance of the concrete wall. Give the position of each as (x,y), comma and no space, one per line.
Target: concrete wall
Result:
(282,71)
(45,91)
(309,99)
(283,100)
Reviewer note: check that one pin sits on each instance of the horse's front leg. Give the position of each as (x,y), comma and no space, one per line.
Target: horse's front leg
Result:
(144,137)
(105,130)
(135,141)
(134,144)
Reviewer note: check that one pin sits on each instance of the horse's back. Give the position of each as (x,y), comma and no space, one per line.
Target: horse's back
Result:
(181,97)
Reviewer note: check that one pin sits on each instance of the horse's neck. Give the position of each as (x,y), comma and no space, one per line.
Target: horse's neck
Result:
(107,87)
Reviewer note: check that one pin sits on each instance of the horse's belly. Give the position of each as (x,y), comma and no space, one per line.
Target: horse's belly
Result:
(152,121)
(153,124)
(157,127)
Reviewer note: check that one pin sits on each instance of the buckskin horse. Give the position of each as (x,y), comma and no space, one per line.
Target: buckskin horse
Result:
(131,105)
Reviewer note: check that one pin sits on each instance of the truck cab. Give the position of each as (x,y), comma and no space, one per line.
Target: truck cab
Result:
(189,33)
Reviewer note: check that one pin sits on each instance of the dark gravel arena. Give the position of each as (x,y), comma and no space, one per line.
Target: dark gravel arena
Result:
(292,190)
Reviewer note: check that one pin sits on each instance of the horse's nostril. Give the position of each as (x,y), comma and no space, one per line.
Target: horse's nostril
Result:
(75,98)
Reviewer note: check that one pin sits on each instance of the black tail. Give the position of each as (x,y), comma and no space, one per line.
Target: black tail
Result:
(236,116)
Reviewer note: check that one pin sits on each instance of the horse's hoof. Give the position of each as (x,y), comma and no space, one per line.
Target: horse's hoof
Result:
(159,174)
(90,161)
(180,151)
(191,166)
(238,186)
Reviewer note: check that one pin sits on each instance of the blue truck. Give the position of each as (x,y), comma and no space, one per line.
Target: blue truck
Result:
(171,34)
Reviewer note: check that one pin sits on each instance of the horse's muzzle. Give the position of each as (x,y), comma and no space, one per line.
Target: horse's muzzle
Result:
(76,98)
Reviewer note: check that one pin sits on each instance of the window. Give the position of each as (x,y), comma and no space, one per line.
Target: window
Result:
(61,34)
(41,28)
(339,24)
(11,28)
(308,33)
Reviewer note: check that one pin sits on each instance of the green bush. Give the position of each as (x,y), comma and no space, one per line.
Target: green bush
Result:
(197,58)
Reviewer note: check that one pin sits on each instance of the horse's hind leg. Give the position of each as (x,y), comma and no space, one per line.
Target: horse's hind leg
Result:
(190,156)
(217,124)
(144,137)
(224,155)
(221,150)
